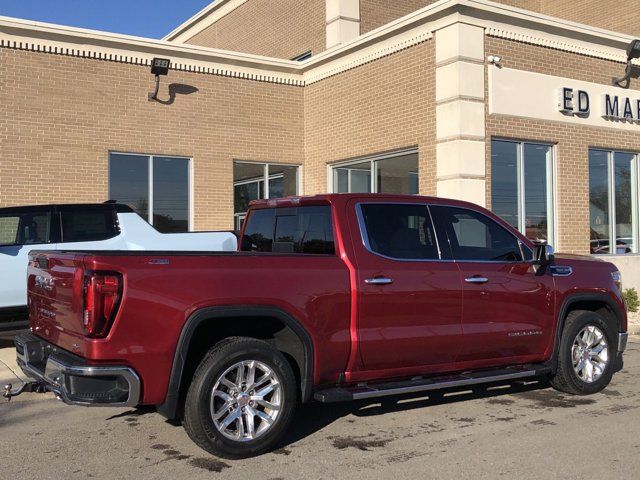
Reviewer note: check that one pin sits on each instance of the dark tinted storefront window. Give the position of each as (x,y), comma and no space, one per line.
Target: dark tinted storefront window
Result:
(169,188)
(612,194)
(171,194)
(129,181)
(521,191)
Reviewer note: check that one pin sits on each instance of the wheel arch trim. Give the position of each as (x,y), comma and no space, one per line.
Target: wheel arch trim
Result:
(169,408)
(564,309)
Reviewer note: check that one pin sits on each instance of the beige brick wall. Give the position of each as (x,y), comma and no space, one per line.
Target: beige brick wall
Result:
(617,15)
(375,13)
(62,115)
(274,28)
(572,141)
(382,106)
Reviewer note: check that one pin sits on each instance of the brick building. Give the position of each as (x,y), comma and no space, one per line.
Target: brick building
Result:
(507,104)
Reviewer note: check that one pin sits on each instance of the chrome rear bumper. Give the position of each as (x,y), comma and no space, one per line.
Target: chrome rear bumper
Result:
(72,379)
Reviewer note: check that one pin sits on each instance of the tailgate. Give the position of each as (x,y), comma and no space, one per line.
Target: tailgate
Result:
(55,298)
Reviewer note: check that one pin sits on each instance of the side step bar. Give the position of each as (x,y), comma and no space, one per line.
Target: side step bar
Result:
(414,385)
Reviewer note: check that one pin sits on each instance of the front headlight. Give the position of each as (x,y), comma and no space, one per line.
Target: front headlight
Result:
(617,279)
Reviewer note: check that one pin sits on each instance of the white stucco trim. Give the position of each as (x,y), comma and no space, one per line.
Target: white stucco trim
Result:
(202,20)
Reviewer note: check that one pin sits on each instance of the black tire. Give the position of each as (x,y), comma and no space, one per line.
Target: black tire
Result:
(198,421)
(566,379)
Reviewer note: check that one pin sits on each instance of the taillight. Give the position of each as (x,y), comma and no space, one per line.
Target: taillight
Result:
(102,293)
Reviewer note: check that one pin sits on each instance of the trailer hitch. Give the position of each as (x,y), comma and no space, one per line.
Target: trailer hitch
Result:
(30,387)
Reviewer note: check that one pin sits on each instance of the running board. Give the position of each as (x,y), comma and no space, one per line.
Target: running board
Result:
(363,391)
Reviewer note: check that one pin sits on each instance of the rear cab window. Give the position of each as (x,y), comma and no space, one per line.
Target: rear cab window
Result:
(88,223)
(305,229)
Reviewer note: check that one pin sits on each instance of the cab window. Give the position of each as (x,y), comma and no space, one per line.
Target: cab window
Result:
(88,224)
(290,230)
(30,228)
(399,231)
(474,236)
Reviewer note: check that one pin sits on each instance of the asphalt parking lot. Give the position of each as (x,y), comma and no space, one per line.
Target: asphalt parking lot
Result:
(518,431)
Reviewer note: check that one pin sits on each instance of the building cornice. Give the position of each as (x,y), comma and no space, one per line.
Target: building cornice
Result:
(498,20)
(60,40)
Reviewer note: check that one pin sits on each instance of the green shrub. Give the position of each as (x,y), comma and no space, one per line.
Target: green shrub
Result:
(631,299)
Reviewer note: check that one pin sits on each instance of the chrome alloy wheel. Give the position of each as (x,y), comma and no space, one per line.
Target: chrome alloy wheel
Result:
(246,401)
(590,354)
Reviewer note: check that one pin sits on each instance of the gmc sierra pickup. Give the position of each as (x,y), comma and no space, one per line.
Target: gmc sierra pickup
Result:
(332,298)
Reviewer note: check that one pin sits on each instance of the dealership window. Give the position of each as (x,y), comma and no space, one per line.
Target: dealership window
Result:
(522,187)
(389,173)
(255,181)
(613,204)
(156,187)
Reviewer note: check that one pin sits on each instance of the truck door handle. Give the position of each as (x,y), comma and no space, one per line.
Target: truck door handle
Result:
(476,279)
(378,281)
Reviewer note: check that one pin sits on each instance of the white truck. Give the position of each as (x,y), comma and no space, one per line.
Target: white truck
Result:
(107,226)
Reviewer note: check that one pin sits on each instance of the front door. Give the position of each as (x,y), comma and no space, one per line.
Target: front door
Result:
(508,304)
(409,302)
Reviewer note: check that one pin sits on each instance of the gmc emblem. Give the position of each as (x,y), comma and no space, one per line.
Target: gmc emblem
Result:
(44,282)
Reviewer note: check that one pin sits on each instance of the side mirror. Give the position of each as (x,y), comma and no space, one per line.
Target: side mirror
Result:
(245,244)
(544,255)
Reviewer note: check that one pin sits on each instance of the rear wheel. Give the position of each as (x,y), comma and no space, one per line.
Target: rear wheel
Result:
(241,399)
(586,354)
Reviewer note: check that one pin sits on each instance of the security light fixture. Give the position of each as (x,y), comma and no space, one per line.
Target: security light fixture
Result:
(633,52)
(159,66)
(494,60)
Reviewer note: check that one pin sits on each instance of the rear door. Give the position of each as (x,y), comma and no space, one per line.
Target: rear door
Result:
(22,230)
(508,308)
(409,301)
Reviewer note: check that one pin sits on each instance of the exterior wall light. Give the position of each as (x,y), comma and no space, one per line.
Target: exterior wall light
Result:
(633,52)
(159,66)
(494,60)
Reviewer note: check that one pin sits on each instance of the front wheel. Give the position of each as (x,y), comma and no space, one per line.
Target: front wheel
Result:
(586,354)
(241,399)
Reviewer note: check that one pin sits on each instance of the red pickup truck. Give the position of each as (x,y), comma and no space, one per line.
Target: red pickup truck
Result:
(332,298)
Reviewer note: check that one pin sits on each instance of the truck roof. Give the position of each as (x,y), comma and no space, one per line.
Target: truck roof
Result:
(330,198)
(119,207)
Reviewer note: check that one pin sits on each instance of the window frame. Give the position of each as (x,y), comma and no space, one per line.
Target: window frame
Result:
(150,160)
(239,217)
(611,198)
(551,165)
(373,168)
